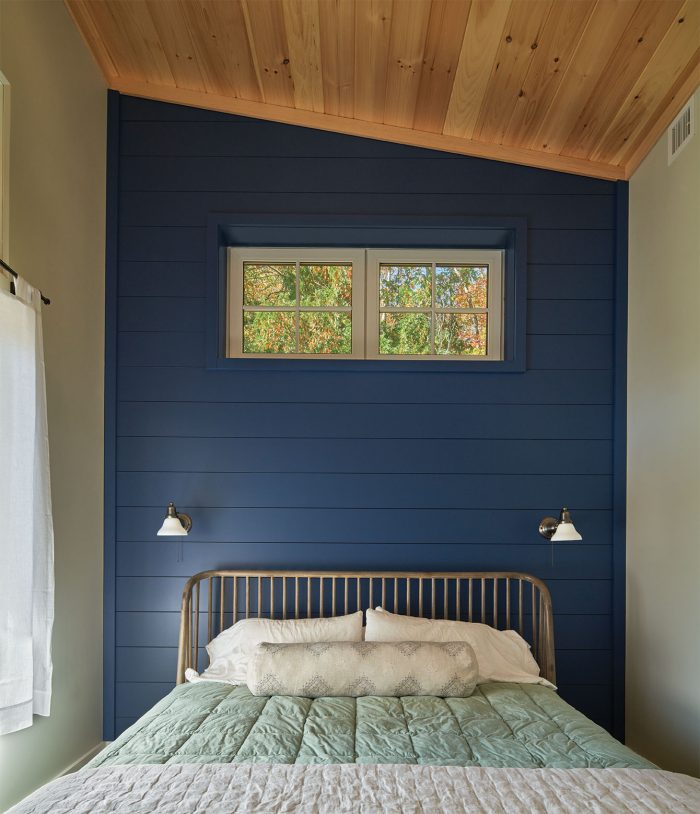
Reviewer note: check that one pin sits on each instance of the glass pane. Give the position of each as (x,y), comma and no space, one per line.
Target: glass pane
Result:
(265,284)
(460,334)
(404,334)
(404,286)
(323,332)
(461,286)
(325,285)
(268,332)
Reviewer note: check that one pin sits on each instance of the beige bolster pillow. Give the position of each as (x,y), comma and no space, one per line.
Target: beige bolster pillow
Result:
(353,669)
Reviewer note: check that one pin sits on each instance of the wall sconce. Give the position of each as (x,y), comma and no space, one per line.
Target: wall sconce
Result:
(175,525)
(561,530)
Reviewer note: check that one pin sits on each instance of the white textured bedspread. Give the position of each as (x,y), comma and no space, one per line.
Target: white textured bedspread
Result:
(336,789)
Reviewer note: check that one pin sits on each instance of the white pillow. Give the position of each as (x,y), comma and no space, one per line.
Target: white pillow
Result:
(502,655)
(230,651)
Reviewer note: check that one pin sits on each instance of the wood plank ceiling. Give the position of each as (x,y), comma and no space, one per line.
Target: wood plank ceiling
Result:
(584,86)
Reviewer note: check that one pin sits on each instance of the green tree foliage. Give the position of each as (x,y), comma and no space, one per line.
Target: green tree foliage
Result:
(454,287)
(405,286)
(432,299)
(405,334)
(461,287)
(269,285)
(325,285)
(276,331)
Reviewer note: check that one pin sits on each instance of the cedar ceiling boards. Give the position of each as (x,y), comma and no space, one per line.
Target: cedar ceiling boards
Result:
(582,86)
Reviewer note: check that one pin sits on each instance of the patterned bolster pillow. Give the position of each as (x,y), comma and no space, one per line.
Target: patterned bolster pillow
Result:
(353,669)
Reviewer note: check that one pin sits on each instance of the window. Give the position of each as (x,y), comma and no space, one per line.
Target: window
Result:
(434,304)
(365,304)
(296,303)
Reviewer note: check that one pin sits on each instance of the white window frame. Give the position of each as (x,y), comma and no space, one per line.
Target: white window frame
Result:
(365,297)
(436,257)
(299,256)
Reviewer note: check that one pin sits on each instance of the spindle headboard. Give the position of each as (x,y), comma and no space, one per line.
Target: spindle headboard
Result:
(215,600)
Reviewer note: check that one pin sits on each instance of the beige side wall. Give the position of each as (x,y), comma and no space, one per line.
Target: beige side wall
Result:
(663,464)
(57,208)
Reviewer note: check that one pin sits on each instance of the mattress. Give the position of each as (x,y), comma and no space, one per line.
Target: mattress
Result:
(500,725)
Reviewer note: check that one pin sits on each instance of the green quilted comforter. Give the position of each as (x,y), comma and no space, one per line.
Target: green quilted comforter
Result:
(500,725)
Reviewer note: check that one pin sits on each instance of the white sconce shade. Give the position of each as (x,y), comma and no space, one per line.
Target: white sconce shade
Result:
(561,530)
(172,527)
(566,533)
(175,525)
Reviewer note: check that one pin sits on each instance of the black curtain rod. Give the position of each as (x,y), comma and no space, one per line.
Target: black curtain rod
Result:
(44,299)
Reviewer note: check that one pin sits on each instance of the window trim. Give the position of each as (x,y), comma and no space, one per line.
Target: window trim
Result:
(226,230)
(474,257)
(365,308)
(237,256)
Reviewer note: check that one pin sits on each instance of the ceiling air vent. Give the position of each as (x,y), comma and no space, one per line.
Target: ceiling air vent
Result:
(681,131)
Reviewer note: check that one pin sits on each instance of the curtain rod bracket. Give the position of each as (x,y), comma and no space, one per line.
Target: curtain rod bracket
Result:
(44,299)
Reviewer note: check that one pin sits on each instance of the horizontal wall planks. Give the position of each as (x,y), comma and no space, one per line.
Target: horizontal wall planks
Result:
(158,208)
(135,698)
(579,317)
(148,664)
(566,282)
(185,244)
(172,348)
(348,526)
(430,456)
(371,175)
(352,465)
(570,352)
(592,667)
(593,701)
(288,386)
(362,490)
(156,278)
(571,246)
(364,421)
(167,244)
(588,560)
(158,314)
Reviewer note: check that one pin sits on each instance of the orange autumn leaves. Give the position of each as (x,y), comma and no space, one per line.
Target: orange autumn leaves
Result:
(424,309)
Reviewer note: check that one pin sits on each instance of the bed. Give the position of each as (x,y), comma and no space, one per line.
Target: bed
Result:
(508,746)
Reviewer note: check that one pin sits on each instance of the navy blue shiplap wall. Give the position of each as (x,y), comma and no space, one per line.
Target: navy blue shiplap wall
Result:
(376,469)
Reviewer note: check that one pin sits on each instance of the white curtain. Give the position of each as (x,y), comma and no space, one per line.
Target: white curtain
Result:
(26,527)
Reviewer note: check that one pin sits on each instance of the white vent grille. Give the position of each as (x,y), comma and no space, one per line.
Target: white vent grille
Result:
(681,131)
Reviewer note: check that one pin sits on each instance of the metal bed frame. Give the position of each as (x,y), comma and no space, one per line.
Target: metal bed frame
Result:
(215,600)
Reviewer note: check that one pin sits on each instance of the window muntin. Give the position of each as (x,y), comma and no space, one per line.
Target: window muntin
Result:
(420,304)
